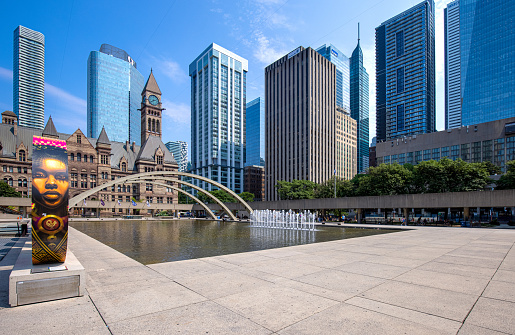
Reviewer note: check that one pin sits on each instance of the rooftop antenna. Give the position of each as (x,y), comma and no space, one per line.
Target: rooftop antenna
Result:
(358,32)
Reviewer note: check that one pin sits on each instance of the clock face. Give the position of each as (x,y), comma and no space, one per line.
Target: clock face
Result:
(153,100)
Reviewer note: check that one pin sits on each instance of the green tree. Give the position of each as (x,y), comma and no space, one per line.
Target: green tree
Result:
(223,196)
(297,189)
(247,196)
(8,191)
(386,179)
(344,188)
(492,168)
(507,180)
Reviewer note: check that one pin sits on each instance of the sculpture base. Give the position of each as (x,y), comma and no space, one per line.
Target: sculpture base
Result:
(30,283)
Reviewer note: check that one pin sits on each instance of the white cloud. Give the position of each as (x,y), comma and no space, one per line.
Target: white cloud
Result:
(178,113)
(265,53)
(6,73)
(66,100)
(169,68)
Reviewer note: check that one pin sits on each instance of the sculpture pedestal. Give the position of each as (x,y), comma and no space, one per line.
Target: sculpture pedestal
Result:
(30,283)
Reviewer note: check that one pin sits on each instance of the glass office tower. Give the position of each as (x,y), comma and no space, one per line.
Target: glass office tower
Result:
(487,60)
(29,77)
(405,73)
(218,99)
(342,73)
(179,150)
(114,95)
(452,65)
(255,127)
(359,105)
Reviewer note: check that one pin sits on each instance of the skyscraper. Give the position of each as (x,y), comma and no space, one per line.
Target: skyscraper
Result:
(359,104)
(179,150)
(452,65)
(341,62)
(487,57)
(255,127)
(114,95)
(405,73)
(29,77)
(218,98)
(302,139)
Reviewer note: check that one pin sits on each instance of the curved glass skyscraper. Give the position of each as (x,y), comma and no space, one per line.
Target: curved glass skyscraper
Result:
(114,95)
(29,77)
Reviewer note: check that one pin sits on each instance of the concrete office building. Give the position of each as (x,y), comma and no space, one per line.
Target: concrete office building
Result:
(255,128)
(179,150)
(492,141)
(218,99)
(405,73)
(452,65)
(114,95)
(479,61)
(29,77)
(346,145)
(300,114)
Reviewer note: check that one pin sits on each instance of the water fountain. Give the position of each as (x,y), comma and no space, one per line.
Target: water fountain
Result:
(283,220)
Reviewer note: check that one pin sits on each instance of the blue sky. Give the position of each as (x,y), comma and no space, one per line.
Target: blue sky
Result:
(167,35)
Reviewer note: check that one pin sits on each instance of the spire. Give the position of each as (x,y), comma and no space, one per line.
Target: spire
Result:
(358,33)
(102,138)
(50,130)
(151,84)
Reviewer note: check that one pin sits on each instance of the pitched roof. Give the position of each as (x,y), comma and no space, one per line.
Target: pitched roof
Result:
(9,113)
(102,138)
(50,129)
(148,150)
(151,84)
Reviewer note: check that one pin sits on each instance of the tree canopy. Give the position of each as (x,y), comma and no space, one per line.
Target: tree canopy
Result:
(8,191)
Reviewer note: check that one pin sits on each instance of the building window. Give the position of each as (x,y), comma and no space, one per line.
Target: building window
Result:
(465,152)
(9,181)
(160,160)
(476,152)
(436,154)
(21,156)
(418,156)
(10,169)
(91,159)
(399,43)
(78,139)
(455,152)
(74,179)
(4,168)
(157,126)
(510,148)
(487,151)
(149,199)
(24,170)
(124,167)
(127,198)
(445,152)
(159,200)
(79,157)
(72,157)
(427,154)
(104,159)
(400,117)
(499,153)
(400,80)
(169,200)
(19,169)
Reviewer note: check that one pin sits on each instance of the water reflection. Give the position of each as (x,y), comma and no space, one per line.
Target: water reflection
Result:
(151,242)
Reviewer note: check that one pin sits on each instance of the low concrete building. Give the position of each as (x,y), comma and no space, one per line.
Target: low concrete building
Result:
(490,141)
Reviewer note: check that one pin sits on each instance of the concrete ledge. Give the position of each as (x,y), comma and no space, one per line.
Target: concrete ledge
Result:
(30,283)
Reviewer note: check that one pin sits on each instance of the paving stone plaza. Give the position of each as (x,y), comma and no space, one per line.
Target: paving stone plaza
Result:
(425,280)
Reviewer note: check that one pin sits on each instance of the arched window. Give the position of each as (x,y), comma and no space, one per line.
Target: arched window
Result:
(119,188)
(72,156)
(154,125)
(129,189)
(21,156)
(157,126)
(20,182)
(91,159)
(124,167)
(79,157)
(24,182)
(149,128)
(9,181)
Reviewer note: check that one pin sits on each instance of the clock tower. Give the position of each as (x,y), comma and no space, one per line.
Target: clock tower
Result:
(151,109)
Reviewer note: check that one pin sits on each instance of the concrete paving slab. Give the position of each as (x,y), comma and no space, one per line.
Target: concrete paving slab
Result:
(484,263)
(365,250)
(456,269)
(339,281)
(116,304)
(275,308)
(507,266)
(283,268)
(506,276)
(445,281)
(500,290)
(68,316)
(120,275)
(493,314)
(347,319)
(374,269)
(243,258)
(432,321)
(184,269)
(326,259)
(221,284)
(443,303)
(313,289)
(397,261)
(279,252)
(478,253)
(200,318)
(468,329)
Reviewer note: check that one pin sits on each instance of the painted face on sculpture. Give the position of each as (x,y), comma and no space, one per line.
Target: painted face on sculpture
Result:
(50,180)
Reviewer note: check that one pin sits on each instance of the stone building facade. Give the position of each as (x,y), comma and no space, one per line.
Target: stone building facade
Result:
(95,161)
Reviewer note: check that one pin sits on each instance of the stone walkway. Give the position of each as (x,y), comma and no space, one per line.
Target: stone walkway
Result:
(424,281)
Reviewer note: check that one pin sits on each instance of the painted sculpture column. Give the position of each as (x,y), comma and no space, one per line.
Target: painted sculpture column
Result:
(49,200)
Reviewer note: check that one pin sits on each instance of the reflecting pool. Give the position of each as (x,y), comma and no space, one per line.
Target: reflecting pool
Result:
(151,242)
